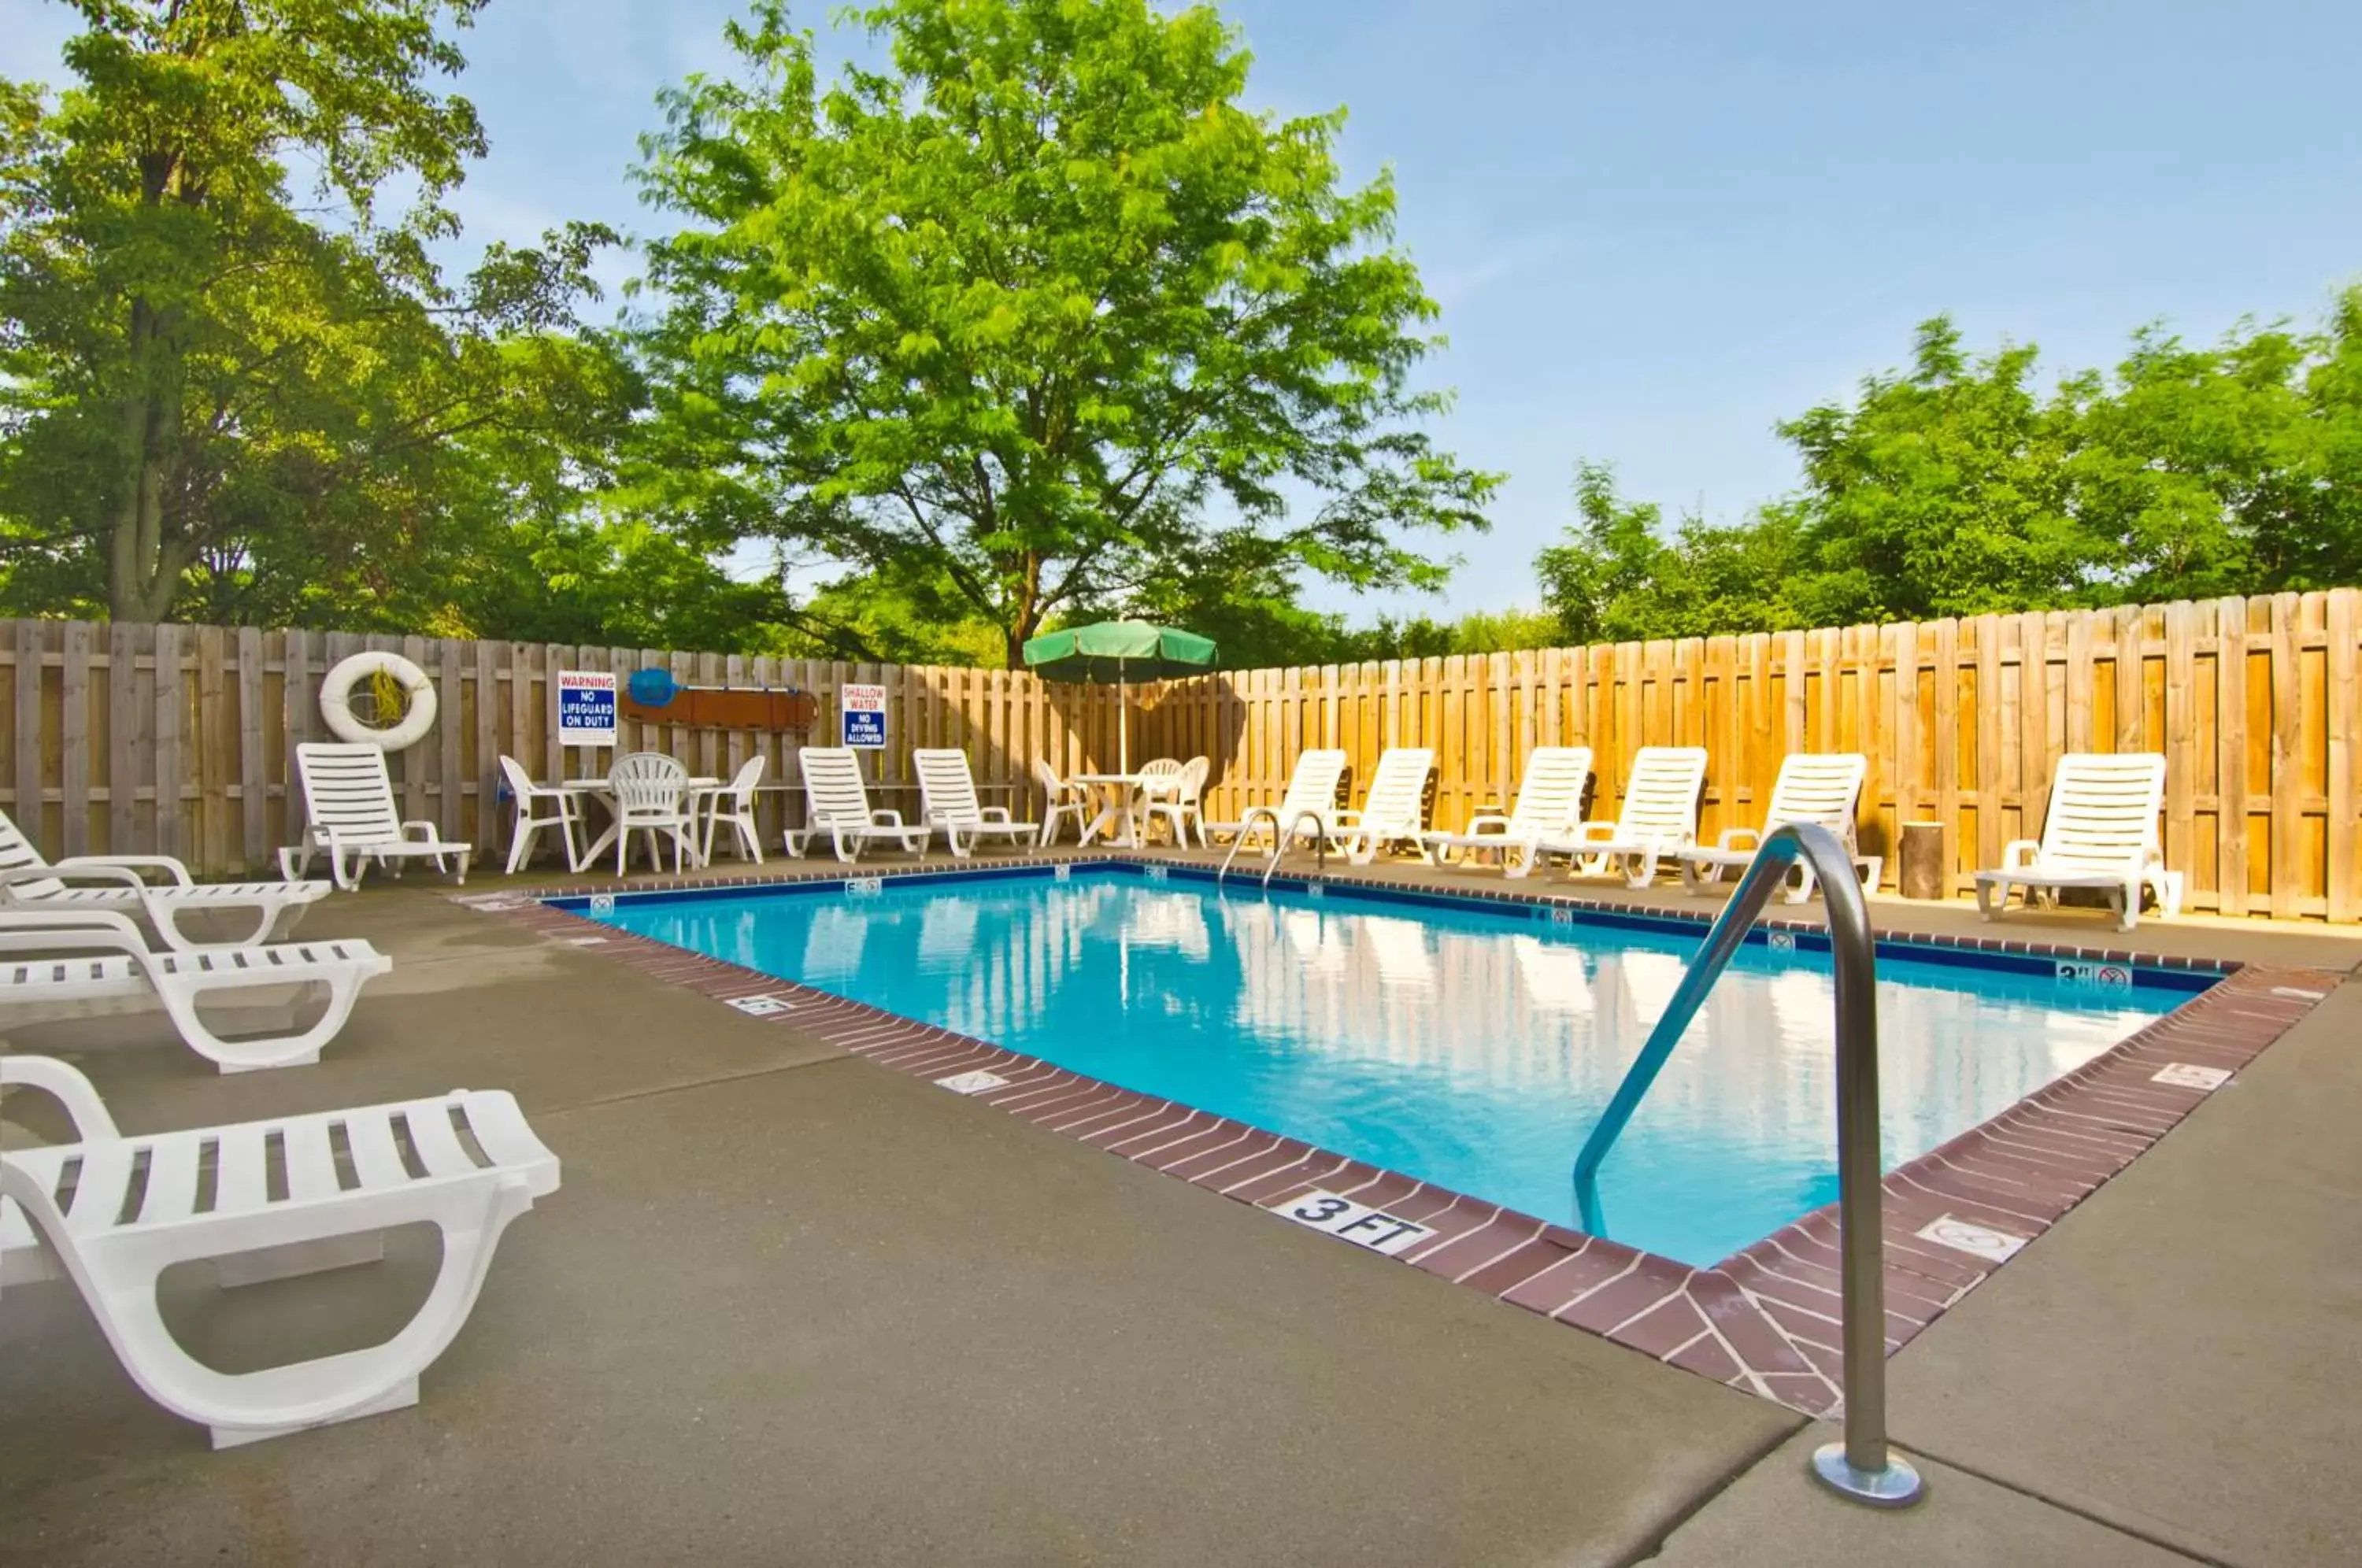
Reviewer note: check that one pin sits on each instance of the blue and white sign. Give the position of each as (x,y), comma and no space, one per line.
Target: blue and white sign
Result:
(586,707)
(862,710)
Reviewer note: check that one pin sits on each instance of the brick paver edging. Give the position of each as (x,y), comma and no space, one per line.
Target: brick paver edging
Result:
(1765,1319)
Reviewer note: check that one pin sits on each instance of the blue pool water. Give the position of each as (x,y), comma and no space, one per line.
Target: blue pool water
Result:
(1470,1046)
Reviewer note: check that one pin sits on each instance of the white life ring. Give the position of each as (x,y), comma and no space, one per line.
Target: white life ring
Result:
(349,675)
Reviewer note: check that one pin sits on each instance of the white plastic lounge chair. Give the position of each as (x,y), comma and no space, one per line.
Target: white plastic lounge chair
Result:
(1178,802)
(650,791)
(564,815)
(349,813)
(1549,805)
(1312,788)
(836,803)
(1060,800)
(734,803)
(1659,818)
(1394,810)
(947,801)
(74,1197)
(119,883)
(108,959)
(2101,831)
(1821,788)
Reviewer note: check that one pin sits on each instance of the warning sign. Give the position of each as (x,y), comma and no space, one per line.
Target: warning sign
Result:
(586,707)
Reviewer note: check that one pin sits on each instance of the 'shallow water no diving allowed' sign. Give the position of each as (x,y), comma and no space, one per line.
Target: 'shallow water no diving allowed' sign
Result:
(861,713)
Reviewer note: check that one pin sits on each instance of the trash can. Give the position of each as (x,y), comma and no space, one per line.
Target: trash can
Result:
(1921,873)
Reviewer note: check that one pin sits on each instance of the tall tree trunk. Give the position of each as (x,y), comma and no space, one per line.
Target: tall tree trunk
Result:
(1025,615)
(143,566)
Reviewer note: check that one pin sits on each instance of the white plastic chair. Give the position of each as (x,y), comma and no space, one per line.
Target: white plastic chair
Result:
(1549,805)
(119,882)
(2100,833)
(651,795)
(78,1197)
(566,817)
(128,966)
(349,813)
(734,803)
(1659,818)
(1311,792)
(1394,810)
(836,803)
(1178,804)
(1060,800)
(947,801)
(1822,788)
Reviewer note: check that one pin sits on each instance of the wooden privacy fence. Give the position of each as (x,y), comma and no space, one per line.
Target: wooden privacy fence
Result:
(181,740)
(2252,701)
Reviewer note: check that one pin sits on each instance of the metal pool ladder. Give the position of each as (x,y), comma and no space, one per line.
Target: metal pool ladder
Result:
(1862,1467)
(1279,836)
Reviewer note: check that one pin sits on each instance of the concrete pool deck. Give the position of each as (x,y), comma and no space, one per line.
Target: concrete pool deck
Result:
(790,1308)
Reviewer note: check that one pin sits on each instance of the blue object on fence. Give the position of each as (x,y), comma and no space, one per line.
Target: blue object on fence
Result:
(653,687)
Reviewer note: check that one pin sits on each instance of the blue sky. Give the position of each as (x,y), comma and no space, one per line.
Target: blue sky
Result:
(1657,229)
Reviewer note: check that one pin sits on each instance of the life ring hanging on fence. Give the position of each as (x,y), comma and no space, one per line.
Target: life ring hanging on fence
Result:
(362,669)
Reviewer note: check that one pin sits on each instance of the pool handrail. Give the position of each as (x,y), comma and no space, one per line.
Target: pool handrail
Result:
(1279,837)
(1862,1467)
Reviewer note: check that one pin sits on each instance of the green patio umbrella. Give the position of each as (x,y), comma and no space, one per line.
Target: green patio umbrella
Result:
(1121,652)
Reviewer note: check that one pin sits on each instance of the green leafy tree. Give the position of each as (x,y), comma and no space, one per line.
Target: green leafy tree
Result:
(216,402)
(1945,491)
(1039,311)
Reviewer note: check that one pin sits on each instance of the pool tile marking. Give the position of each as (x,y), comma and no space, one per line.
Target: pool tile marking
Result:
(975,1082)
(2188,1075)
(1977,1241)
(1356,1223)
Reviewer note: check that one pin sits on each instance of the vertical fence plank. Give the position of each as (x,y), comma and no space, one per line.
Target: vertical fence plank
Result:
(171,702)
(253,772)
(214,749)
(2343,870)
(74,739)
(2287,713)
(123,754)
(299,701)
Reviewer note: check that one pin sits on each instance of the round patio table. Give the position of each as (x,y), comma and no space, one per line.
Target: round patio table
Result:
(1119,817)
(602,791)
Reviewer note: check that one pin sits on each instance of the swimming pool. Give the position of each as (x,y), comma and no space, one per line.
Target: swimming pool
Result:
(1471,1046)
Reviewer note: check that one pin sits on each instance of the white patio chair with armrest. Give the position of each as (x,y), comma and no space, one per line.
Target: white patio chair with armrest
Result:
(836,803)
(1394,810)
(564,816)
(1178,804)
(349,814)
(1549,805)
(650,791)
(77,1200)
(1822,788)
(1657,820)
(57,955)
(120,882)
(947,801)
(1311,790)
(734,803)
(2100,833)
(1060,800)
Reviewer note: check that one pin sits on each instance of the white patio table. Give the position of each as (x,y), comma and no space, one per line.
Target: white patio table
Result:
(1119,817)
(603,792)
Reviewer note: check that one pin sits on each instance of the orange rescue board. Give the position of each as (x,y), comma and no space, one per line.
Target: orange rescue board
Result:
(751,709)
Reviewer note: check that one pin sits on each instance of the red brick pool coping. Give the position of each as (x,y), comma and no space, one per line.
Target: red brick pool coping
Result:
(1763,1319)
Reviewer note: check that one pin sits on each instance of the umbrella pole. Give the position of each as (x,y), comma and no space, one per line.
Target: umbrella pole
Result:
(1122,721)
